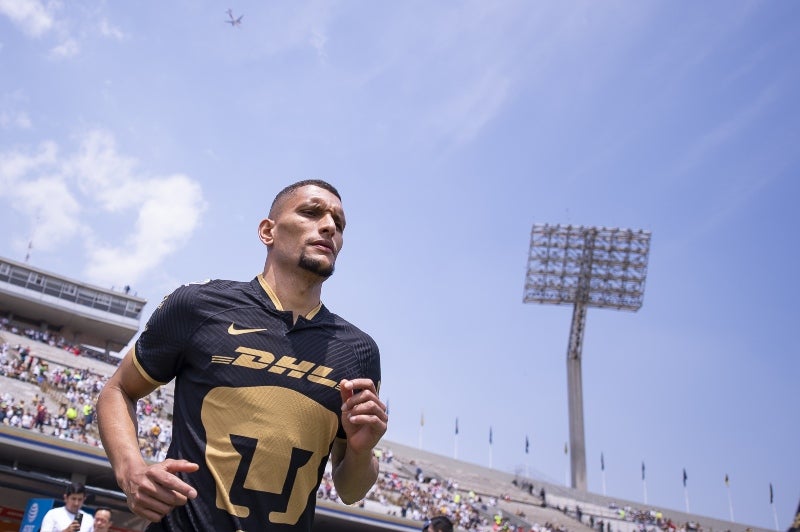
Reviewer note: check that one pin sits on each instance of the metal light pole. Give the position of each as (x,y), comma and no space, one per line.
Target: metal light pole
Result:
(586,267)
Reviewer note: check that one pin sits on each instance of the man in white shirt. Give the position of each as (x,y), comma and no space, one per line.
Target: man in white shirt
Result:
(69,518)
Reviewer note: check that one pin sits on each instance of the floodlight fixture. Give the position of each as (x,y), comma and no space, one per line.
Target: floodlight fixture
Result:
(585,267)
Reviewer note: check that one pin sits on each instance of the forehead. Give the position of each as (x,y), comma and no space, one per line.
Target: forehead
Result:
(314,195)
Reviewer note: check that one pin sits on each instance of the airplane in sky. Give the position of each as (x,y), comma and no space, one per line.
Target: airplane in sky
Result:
(234,21)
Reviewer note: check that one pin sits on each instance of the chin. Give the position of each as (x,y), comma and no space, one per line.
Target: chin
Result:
(315,266)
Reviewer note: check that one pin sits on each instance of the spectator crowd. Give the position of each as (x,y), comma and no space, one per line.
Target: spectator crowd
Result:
(63,405)
(402,490)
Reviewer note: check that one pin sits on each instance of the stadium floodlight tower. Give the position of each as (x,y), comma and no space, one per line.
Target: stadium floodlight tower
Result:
(585,267)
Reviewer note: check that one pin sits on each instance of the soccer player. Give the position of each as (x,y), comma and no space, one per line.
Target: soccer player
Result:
(269,384)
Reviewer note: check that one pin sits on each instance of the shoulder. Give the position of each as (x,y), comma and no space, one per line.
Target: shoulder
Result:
(194,295)
(364,356)
(348,332)
(205,288)
(55,513)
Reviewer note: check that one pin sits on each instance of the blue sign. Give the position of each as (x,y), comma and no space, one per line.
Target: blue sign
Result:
(34,514)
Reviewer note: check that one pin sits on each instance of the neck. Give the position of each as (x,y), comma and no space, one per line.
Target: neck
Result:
(299,294)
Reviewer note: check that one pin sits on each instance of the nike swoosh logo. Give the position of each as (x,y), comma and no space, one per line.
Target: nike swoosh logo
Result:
(234,331)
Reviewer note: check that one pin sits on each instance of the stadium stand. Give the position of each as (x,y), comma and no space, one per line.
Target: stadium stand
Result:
(414,485)
(40,371)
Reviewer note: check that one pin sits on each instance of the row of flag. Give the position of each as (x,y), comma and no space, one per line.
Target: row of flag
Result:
(602,458)
(794,528)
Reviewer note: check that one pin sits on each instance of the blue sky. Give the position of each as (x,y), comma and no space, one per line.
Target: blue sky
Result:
(142,144)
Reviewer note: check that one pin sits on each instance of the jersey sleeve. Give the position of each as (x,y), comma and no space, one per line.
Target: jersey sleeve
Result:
(372,362)
(370,367)
(161,346)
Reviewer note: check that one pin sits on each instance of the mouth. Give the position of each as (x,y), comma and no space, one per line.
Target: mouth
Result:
(324,246)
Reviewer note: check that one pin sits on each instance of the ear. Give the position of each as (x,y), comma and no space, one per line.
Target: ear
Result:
(265,229)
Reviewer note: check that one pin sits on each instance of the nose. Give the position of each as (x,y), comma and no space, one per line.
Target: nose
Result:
(327,225)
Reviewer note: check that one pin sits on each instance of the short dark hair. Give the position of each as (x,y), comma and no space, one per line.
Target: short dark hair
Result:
(304,183)
(75,487)
(440,523)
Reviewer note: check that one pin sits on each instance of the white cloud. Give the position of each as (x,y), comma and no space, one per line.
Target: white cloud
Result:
(32,184)
(31,16)
(55,209)
(14,165)
(22,120)
(167,216)
(318,41)
(93,190)
(110,31)
(67,48)
(15,119)
(11,116)
(36,18)
(101,171)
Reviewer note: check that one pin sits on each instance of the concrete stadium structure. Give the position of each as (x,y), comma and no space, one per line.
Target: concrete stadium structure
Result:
(35,465)
(79,312)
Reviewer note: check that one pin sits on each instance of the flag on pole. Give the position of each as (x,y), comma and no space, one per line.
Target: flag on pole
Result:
(565,448)
(490,435)
(795,522)
(422,419)
(387,407)
(642,470)
(684,477)
(770,493)
(456,426)
(602,463)
(527,444)
(727,481)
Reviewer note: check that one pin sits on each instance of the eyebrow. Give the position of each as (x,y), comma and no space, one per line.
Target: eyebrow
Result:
(319,203)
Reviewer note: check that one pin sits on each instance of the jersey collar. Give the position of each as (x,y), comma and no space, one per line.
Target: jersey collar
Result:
(277,302)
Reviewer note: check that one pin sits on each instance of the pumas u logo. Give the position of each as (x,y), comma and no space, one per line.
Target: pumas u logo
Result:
(234,331)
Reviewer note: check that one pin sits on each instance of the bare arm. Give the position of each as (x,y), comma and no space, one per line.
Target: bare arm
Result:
(152,490)
(116,415)
(364,419)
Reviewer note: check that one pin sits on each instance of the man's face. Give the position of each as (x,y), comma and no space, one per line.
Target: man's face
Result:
(102,521)
(307,230)
(73,502)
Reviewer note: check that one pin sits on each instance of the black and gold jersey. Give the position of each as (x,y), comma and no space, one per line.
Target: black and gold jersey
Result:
(257,402)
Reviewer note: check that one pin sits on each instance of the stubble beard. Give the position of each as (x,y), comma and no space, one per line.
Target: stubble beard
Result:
(316,266)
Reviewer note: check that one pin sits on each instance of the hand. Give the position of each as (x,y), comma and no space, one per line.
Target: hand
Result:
(363,414)
(153,491)
(73,527)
